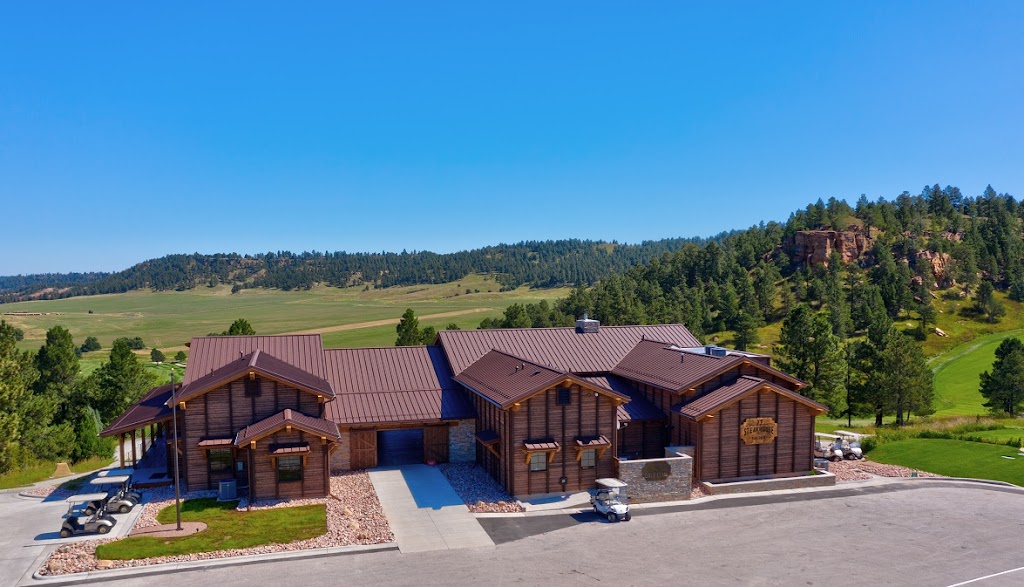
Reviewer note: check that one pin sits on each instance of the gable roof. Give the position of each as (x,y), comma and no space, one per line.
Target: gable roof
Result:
(257,362)
(209,353)
(267,426)
(393,384)
(559,348)
(669,367)
(151,408)
(505,379)
(726,395)
(637,409)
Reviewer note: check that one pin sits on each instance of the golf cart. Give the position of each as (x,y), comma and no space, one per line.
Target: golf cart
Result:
(610,501)
(76,521)
(827,446)
(850,445)
(116,499)
(129,486)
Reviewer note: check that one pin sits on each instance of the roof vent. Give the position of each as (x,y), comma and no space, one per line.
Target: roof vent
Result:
(715,351)
(587,326)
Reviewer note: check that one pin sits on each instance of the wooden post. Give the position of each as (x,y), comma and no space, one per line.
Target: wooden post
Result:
(120,445)
(143,432)
(135,454)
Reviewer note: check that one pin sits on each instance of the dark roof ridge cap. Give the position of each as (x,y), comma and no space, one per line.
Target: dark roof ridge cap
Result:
(752,378)
(380,348)
(573,328)
(534,363)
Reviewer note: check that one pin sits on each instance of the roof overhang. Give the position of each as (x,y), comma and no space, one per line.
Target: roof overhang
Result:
(708,413)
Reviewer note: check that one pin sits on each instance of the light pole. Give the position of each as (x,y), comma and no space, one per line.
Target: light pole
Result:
(177,481)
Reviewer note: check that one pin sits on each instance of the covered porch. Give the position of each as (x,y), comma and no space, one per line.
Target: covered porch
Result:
(144,435)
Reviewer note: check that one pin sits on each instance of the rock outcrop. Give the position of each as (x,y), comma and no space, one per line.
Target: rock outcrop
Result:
(941,267)
(815,246)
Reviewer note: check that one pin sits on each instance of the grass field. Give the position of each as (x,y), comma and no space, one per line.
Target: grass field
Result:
(226,529)
(345,317)
(955,458)
(42,471)
(957,374)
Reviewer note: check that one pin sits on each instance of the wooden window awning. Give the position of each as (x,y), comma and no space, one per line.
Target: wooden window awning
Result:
(296,448)
(487,437)
(216,442)
(599,443)
(546,445)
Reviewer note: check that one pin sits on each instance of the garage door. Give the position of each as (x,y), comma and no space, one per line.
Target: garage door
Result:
(400,447)
(364,449)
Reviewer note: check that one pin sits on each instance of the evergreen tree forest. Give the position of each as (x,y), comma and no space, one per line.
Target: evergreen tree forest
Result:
(50,411)
(837,313)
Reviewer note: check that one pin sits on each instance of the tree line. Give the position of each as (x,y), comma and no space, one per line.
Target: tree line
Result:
(537,263)
(838,317)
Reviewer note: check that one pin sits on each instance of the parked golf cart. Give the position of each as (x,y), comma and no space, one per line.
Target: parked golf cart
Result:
(129,486)
(610,500)
(76,521)
(828,446)
(850,445)
(115,499)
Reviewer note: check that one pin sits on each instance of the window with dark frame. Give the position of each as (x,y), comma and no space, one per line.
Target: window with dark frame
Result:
(538,461)
(588,460)
(564,396)
(220,459)
(289,469)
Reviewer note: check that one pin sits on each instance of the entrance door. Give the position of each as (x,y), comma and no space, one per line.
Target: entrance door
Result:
(435,443)
(400,447)
(364,449)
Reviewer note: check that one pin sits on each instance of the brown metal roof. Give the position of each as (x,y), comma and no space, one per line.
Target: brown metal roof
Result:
(266,426)
(393,385)
(656,363)
(639,408)
(290,448)
(559,348)
(209,353)
(726,395)
(503,378)
(259,362)
(150,409)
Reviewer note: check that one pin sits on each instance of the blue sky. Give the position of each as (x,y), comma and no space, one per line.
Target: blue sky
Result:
(130,131)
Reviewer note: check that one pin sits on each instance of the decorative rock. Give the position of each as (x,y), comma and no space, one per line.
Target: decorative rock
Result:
(63,470)
(478,490)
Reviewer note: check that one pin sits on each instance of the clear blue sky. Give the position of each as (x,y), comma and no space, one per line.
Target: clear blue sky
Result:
(132,131)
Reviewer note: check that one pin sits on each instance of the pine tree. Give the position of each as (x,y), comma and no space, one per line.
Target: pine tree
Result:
(1003,387)
(16,376)
(119,382)
(409,330)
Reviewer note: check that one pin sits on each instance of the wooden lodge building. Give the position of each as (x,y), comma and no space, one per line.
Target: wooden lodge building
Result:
(545,410)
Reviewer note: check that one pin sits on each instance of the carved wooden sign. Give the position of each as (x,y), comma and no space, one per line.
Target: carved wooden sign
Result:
(656,471)
(758,430)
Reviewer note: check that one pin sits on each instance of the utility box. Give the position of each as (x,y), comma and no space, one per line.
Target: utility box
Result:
(228,491)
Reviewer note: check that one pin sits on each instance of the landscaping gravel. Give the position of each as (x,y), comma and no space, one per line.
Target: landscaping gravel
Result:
(354,516)
(865,469)
(478,490)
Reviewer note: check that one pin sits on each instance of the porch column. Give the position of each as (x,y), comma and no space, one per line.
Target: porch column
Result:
(143,432)
(120,446)
(135,454)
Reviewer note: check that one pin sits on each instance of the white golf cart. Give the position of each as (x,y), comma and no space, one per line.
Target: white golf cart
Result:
(850,444)
(117,498)
(610,500)
(828,446)
(77,521)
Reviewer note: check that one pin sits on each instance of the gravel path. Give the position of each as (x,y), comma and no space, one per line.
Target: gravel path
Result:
(865,469)
(481,493)
(354,516)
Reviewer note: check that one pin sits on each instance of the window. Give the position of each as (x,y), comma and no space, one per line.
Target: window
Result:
(539,461)
(564,396)
(252,387)
(289,469)
(220,459)
(588,460)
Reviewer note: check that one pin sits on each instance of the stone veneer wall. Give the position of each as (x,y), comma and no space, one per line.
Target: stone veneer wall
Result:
(667,479)
(462,442)
(341,458)
(822,479)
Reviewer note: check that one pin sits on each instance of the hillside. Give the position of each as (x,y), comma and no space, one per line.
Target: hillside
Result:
(533,263)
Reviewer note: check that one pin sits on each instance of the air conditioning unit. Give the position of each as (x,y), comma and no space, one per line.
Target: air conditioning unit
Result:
(228,491)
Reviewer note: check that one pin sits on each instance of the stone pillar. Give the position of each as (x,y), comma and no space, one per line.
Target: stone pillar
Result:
(462,442)
(341,458)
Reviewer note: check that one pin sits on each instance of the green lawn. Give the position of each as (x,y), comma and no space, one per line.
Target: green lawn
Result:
(42,471)
(955,458)
(226,529)
(957,375)
(167,320)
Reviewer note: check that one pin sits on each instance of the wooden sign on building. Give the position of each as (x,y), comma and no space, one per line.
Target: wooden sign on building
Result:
(759,430)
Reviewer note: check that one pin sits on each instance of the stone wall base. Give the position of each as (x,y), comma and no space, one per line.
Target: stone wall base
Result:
(822,479)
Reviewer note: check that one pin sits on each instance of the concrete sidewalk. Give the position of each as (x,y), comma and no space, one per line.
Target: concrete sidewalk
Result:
(424,511)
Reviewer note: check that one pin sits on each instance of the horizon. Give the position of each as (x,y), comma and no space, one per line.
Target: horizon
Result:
(133,132)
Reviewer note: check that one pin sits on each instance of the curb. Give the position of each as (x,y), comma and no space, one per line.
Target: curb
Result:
(165,568)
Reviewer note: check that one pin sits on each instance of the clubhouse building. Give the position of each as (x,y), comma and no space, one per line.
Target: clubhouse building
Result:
(546,410)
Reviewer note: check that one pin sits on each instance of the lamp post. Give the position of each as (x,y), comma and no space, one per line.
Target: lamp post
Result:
(177,480)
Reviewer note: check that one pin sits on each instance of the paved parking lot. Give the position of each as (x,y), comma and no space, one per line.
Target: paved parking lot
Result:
(922,533)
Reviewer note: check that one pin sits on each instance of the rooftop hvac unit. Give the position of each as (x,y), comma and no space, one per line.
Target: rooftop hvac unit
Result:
(715,351)
(228,491)
(586,325)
